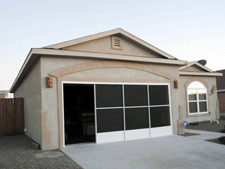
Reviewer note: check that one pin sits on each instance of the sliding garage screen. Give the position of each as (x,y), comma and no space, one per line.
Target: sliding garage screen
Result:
(131,111)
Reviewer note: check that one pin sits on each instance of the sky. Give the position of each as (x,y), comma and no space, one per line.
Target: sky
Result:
(186,29)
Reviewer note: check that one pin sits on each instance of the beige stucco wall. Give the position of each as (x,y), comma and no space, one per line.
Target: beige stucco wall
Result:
(118,73)
(30,90)
(105,71)
(103,45)
(50,133)
(43,106)
(212,98)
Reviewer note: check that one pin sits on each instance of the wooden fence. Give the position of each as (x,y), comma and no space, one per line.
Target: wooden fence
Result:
(11,116)
(221,97)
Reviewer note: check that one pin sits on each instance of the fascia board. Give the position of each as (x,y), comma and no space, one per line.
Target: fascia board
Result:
(109,33)
(199,74)
(186,66)
(140,41)
(21,69)
(204,67)
(83,39)
(106,56)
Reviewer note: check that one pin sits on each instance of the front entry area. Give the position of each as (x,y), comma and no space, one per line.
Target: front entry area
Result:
(110,112)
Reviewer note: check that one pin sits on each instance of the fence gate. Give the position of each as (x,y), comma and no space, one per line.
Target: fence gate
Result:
(11,116)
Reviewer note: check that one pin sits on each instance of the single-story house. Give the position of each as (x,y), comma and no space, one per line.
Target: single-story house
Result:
(221,90)
(108,87)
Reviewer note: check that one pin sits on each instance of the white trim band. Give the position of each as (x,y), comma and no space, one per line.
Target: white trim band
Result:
(199,74)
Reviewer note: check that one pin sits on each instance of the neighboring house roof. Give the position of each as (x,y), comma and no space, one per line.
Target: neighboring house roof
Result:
(221,81)
(58,50)
(3,91)
(196,69)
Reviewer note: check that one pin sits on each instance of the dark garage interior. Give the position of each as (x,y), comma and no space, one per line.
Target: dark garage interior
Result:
(79,113)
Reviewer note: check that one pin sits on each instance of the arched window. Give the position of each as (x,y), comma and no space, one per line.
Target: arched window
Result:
(197,98)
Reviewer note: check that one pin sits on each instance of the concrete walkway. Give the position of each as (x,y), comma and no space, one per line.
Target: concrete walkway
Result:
(162,152)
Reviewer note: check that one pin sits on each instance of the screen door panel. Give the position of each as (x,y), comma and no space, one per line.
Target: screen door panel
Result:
(109,112)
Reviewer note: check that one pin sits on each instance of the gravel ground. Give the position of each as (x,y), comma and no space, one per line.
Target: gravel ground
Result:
(18,152)
(209,126)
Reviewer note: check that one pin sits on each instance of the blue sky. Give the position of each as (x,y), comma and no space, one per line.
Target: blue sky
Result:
(186,29)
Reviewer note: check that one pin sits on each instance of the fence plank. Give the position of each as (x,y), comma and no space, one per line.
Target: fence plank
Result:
(6,114)
(20,115)
(13,117)
(2,118)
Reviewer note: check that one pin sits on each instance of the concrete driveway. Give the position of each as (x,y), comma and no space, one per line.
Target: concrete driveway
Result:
(162,152)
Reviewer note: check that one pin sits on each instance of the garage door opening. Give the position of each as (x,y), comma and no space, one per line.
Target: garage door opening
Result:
(110,112)
(79,113)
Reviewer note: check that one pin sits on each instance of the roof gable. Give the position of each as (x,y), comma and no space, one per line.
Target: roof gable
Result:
(118,32)
(105,45)
(195,67)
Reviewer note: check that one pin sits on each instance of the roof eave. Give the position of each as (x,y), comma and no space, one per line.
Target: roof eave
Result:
(65,53)
(106,56)
(12,89)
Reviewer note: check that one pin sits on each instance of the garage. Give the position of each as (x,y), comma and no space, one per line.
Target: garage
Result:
(108,87)
(110,112)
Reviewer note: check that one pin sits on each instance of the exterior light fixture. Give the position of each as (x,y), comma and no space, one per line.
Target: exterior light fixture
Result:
(49,82)
(176,84)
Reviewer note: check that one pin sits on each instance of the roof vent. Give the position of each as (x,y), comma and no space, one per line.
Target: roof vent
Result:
(116,42)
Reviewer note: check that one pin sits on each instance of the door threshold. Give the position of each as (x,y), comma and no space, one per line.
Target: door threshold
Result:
(79,144)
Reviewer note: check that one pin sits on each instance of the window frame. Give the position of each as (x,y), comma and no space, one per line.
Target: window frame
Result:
(197,100)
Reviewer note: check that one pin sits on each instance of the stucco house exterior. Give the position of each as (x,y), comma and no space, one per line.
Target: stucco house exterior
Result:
(108,87)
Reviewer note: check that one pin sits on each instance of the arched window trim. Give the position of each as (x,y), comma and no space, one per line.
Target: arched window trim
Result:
(203,101)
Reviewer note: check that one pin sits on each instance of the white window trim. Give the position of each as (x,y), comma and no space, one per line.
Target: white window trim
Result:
(198,101)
